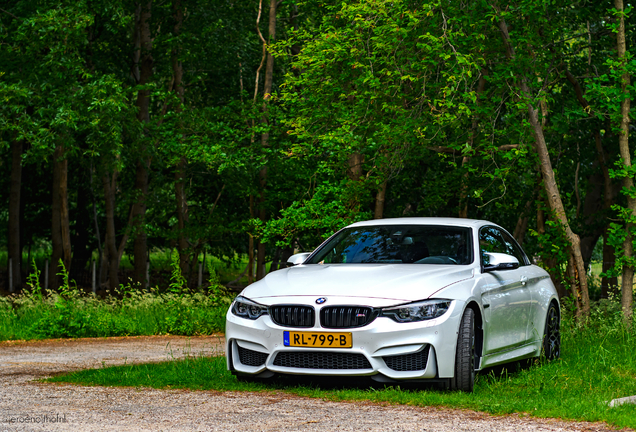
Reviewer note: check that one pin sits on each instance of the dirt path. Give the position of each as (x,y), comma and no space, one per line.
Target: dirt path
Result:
(26,405)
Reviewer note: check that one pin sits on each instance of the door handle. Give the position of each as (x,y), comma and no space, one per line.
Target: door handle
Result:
(524,280)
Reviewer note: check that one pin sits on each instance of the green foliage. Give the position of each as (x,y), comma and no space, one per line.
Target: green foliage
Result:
(598,363)
(326,211)
(34,291)
(73,314)
(87,316)
(617,233)
(616,238)
(554,248)
(178,283)
(218,294)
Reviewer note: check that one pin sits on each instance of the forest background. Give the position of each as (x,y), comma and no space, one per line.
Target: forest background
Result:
(246,130)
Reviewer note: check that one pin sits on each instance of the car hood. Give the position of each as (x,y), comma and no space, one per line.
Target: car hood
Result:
(405,282)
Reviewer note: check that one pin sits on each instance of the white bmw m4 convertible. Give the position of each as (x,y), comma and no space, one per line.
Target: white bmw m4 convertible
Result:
(413,299)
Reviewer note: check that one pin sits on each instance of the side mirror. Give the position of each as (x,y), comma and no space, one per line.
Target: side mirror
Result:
(499,261)
(300,258)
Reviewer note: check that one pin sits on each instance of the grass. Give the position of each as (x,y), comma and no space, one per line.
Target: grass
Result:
(598,364)
(135,314)
(128,312)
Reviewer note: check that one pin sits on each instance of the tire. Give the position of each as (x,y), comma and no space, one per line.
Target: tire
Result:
(552,334)
(464,378)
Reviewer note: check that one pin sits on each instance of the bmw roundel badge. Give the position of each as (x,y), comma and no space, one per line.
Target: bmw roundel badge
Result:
(321,300)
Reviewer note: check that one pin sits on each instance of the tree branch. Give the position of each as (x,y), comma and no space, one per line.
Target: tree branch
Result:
(448,150)
(507,147)
(440,149)
(217,199)
(9,13)
(578,91)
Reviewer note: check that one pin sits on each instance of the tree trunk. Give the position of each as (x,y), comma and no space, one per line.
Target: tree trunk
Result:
(379,201)
(354,172)
(627,283)
(250,248)
(355,166)
(463,191)
(140,248)
(56,226)
(592,216)
(250,260)
(111,255)
(15,245)
(98,237)
(182,219)
(260,260)
(142,75)
(81,233)
(275,260)
(180,195)
(60,230)
(267,91)
(609,193)
(522,222)
(262,215)
(579,281)
(269,68)
(609,285)
(64,215)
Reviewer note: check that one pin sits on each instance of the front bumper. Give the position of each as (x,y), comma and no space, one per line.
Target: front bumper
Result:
(384,348)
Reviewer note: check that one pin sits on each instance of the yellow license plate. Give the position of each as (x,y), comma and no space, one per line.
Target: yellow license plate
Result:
(317,340)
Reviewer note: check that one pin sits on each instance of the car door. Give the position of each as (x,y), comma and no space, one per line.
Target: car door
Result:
(530,280)
(505,296)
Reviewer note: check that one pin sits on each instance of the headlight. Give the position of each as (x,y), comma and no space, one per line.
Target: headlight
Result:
(246,308)
(419,311)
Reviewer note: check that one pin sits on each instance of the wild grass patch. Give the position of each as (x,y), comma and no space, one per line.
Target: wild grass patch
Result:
(70,313)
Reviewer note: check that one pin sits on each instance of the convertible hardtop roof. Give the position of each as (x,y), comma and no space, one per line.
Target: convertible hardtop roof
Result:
(424,221)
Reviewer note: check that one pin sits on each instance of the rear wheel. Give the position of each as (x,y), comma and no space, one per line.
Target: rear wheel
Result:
(464,378)
(552,334)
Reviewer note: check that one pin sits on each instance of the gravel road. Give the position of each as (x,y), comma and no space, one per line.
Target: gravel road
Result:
(27,405)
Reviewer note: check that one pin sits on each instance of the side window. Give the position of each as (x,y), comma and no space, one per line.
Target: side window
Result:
(490,240)
(514,248)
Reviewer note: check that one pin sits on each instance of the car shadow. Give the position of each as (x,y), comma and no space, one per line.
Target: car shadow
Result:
(331,383)
(282,381)
(507,369)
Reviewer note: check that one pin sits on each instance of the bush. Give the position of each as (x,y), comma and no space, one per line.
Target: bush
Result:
(70,313)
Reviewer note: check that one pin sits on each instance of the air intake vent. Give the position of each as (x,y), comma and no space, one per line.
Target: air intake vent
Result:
(293,315)
(251,358)
(321,360)
(408,362)
(346,316)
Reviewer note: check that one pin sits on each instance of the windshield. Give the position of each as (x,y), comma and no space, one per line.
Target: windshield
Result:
(397,244)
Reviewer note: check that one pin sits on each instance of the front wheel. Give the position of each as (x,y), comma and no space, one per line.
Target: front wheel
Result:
(464,378)
(552,334)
